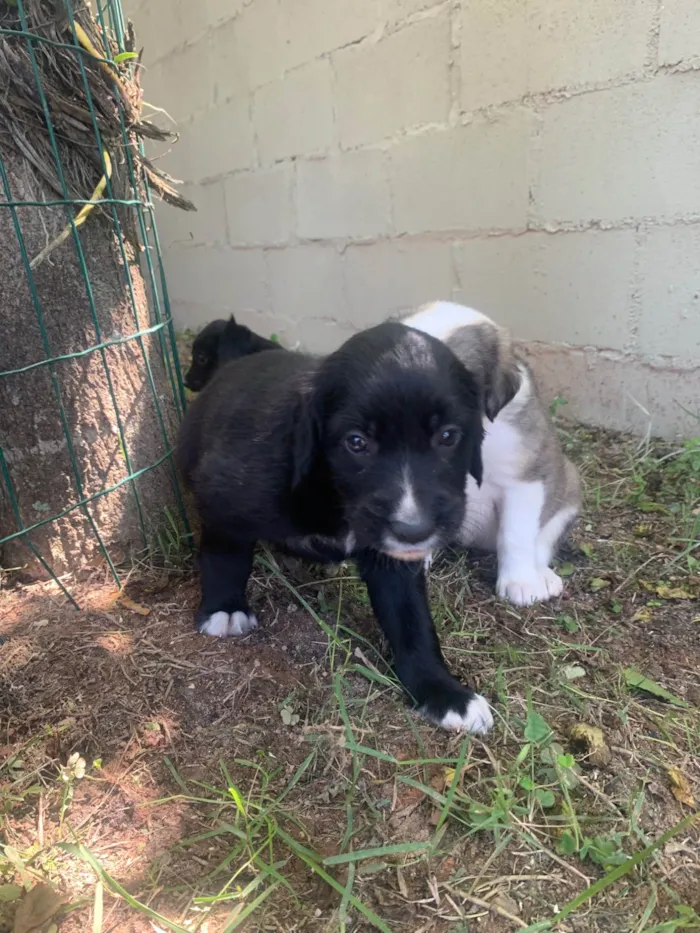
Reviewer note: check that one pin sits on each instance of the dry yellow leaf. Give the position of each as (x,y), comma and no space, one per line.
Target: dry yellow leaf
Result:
(591,740)
(642,615)
(134,607)
(37,908)
(680,787)
(673,592)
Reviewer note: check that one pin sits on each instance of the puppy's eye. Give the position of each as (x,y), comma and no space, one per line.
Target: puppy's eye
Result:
(201,359)
(448,437)
(356,444)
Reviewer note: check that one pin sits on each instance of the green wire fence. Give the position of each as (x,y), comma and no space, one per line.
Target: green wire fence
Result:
(136,203)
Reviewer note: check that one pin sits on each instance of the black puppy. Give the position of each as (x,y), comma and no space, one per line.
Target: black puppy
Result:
(218,343)
(363,454)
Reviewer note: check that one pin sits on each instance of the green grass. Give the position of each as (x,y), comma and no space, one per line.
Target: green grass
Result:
(347,813)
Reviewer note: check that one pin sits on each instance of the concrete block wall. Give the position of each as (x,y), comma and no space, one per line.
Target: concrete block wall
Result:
(538,159)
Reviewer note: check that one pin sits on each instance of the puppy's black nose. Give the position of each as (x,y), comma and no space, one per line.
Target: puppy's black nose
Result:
(415,531)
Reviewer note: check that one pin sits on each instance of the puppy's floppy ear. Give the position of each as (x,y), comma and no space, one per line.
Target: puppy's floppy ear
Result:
(485,350)
(502,377)
(306,437)
(476,466)
(472,398)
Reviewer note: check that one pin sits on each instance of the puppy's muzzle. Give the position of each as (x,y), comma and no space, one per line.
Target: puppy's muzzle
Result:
(410,538)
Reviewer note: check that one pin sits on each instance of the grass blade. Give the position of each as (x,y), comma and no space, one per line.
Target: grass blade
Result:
(309,859)
(400,848)
(242,915)
(625,868)
(86,856)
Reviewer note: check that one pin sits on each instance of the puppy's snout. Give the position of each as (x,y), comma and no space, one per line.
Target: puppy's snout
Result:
(412,529)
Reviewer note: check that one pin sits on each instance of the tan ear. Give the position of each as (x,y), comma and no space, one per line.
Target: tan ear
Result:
(485,350)
(502,383)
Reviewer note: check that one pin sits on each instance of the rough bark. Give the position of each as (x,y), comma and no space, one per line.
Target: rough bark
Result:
(31,431)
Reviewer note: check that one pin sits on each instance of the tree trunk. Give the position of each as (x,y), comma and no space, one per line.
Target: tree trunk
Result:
(56,459)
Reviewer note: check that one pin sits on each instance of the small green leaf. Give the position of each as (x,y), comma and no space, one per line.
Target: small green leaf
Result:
(10,892)
(598,583)
(566,761)
(566,845)
(125,57)
(527,783)
(289,717)
(604,851)
(566,569)
(545,797)
(640,682)
(536,728)
(569,623)
(573,671)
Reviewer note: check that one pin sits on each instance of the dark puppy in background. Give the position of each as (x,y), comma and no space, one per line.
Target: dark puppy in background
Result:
(218,343)
(363,454)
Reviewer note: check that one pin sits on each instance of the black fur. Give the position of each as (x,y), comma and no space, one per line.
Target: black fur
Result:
(218,343)
(315,454)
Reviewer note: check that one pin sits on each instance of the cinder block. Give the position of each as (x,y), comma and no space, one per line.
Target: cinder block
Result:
(493,276)
(558,288)
(233,56)
(311,27)
(205,226)
(216,282)
(183,83)
(219,11)
(158,31)
(259,207)
(401,81)
(307,282)
(510,48)
(622,153)
(217,141)
(679,38)
(322,336)
(469,178)
(294,115)
(396,11)
(267,324)
(612,390)
(386,277)
(579,288)
(669,322)
(344,195)
(260,42)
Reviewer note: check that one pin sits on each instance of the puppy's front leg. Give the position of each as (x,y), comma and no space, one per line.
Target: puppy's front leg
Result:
(399,598)
(224,567)
(521,578)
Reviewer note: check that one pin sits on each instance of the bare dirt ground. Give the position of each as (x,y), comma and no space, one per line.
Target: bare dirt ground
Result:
(157,780)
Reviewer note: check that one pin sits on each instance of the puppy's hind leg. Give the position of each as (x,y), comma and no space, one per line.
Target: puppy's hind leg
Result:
(225,566)
(522,578)
(397,591)
(550,536)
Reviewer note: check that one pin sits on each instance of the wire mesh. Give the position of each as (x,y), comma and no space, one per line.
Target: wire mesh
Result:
(138,203)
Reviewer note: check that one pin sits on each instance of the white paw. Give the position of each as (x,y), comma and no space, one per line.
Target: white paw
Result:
(223,625)
(477,719)
(524,589)
(241,624)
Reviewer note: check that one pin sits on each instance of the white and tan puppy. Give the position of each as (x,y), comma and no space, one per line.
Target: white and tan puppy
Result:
(530,494)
